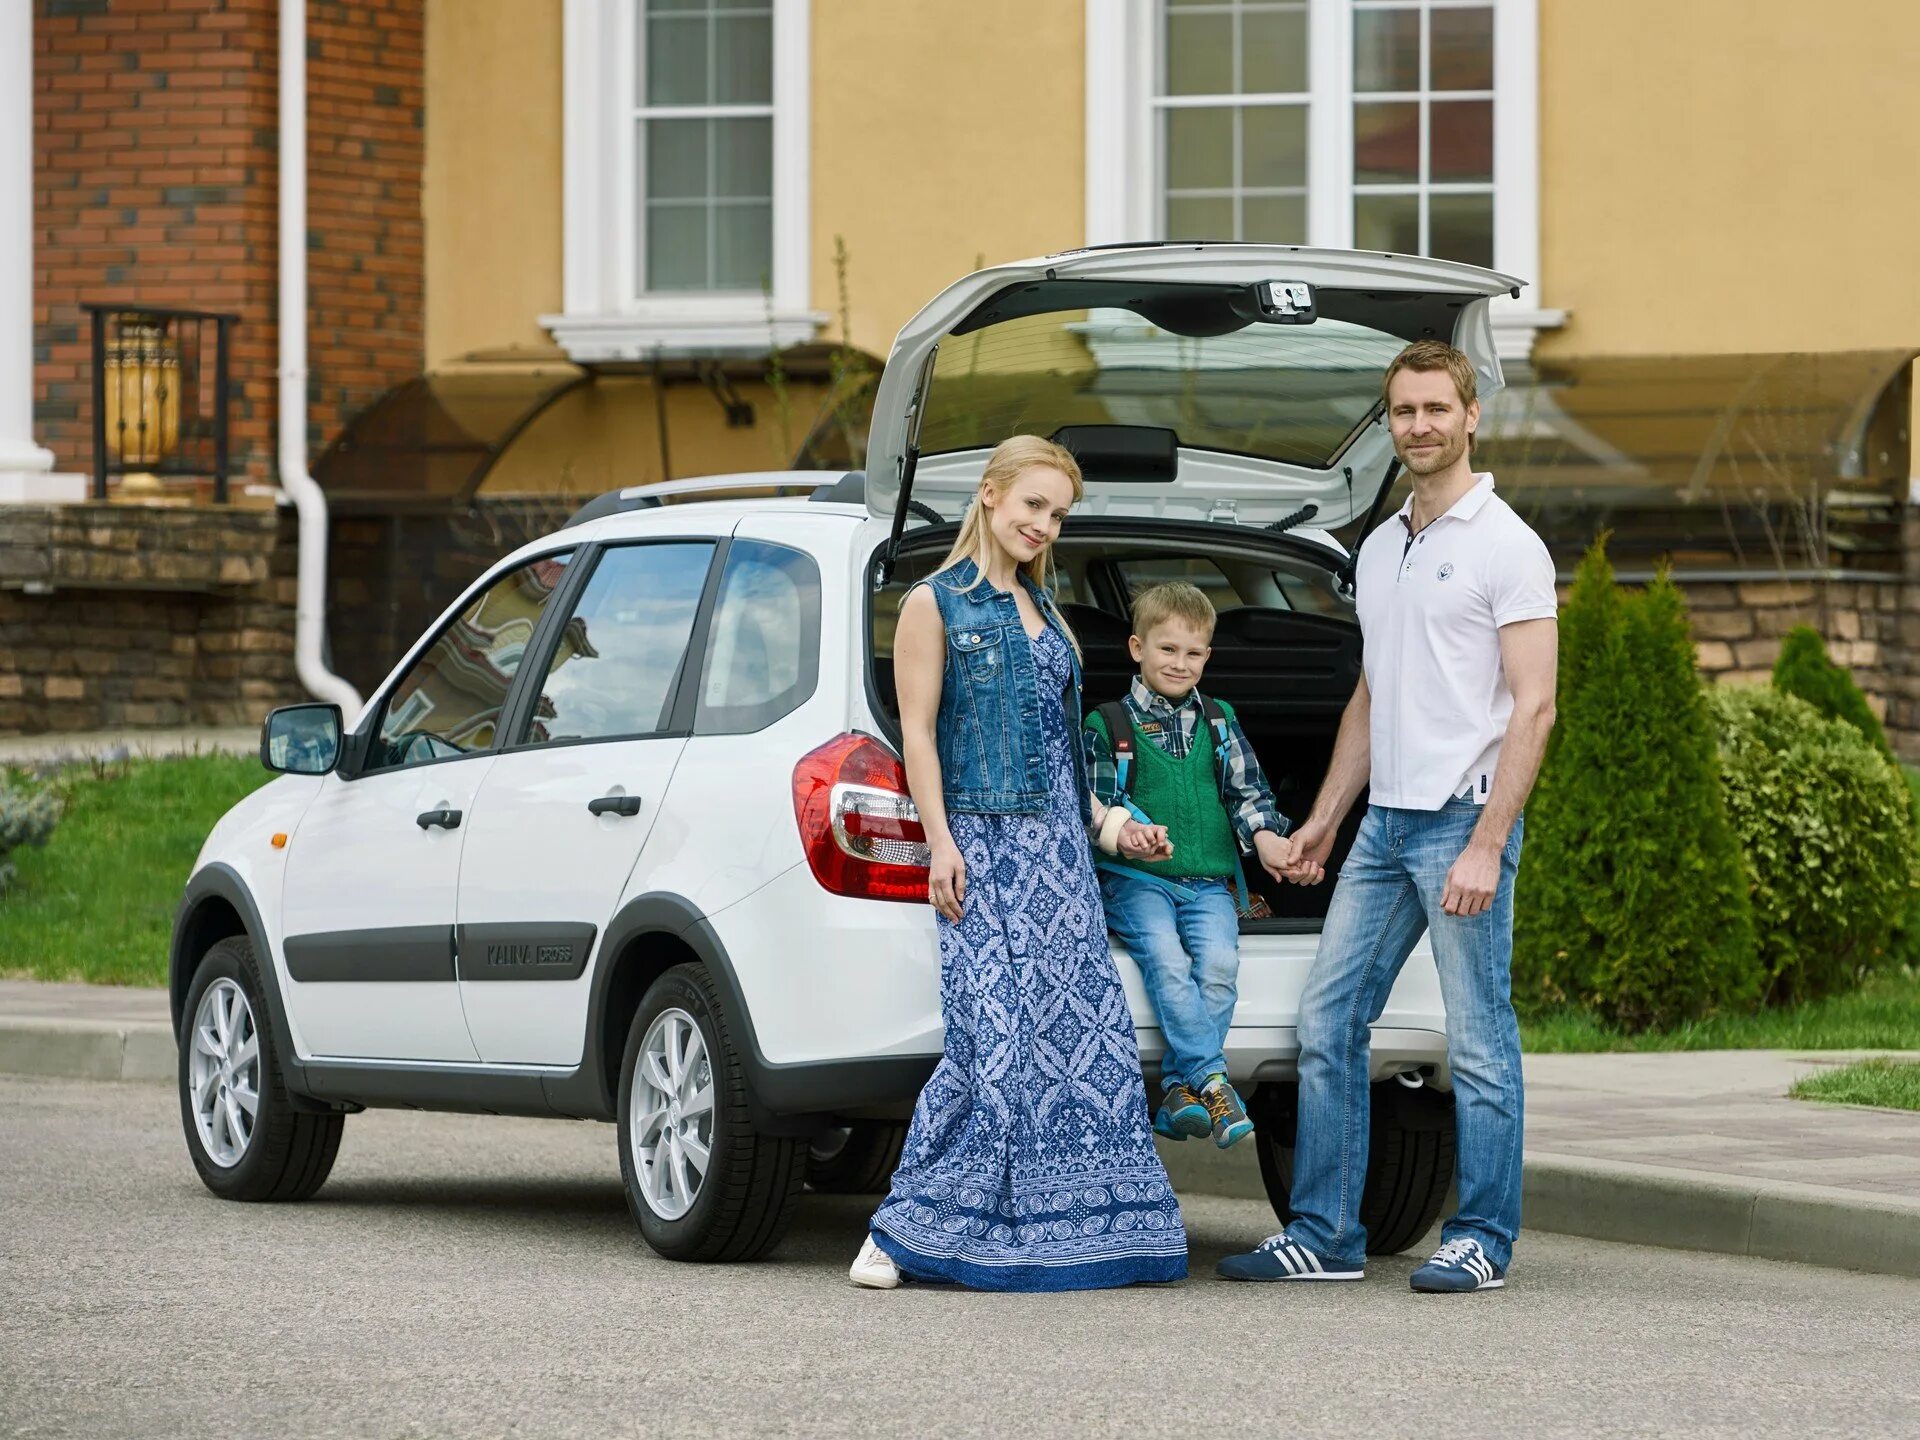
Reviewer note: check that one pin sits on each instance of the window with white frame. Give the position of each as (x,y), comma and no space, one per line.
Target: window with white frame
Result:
(1400,125)
(686,177)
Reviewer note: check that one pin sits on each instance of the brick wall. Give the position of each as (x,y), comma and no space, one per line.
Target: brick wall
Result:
(137,616)
(156,167)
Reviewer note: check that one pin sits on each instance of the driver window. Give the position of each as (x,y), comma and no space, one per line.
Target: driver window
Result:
(449,702)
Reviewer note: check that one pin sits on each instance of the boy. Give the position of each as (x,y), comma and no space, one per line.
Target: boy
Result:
(1183,761)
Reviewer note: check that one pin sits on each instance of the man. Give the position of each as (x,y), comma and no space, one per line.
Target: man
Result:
(1447,726)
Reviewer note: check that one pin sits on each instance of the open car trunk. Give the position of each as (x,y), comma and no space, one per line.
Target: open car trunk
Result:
(1286,648)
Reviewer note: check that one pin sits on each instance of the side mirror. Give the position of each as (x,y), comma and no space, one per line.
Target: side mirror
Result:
(301,739)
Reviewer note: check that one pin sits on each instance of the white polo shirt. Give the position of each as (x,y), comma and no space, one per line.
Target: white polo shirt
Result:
(1431,607)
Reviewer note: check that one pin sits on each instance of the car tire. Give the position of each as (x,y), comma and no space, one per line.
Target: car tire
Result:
(856,1159)
(740,1205)
(1410,1151)
(228,1054)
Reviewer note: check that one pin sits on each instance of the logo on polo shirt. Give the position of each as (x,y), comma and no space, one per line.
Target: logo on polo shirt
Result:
(1444,572)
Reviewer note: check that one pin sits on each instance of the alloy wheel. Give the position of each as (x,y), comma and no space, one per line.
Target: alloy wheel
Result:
(224,1073)
(672,1114)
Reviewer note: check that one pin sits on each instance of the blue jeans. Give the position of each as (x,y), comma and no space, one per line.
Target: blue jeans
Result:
(1390,891)
(1185,937)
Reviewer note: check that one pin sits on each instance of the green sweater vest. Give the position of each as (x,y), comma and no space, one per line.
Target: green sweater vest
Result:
(1184,796)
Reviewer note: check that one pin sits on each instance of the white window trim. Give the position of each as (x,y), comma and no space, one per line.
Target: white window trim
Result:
(605,318)
(1122,163)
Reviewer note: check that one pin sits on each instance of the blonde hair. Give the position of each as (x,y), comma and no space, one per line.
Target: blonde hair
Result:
(1173,600)
(1011,459)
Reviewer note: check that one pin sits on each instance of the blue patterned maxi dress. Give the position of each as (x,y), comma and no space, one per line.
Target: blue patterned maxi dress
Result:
(1030,1164)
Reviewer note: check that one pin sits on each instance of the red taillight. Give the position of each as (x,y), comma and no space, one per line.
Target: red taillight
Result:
(861,832)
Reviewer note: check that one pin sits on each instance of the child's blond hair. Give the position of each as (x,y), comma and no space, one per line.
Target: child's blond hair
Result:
(1174,600)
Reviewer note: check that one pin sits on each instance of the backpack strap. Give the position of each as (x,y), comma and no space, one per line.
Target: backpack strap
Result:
(1217,717)
(1119,725)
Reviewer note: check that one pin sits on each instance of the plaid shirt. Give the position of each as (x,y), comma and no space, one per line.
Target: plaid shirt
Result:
(1250,802)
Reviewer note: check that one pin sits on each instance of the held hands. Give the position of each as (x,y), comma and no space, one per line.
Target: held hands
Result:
(1472,881)
(1144,842)
(947,880)
(1300,858)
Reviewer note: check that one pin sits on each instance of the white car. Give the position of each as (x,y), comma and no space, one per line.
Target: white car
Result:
(626,837)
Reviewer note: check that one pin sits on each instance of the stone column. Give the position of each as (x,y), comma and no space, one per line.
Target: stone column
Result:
(24,466)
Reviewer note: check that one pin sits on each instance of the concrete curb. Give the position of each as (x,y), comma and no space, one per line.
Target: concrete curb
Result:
(1564,1194)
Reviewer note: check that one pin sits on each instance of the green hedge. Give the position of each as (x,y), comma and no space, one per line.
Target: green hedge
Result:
(1804,669)
(1630,900)
(1826,839)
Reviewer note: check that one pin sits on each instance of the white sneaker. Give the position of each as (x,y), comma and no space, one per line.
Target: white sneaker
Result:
(874,1268)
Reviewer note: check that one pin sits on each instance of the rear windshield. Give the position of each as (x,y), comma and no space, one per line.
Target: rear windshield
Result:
(1295,393)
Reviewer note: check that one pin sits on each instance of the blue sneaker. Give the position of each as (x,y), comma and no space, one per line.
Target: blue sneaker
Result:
(1227,1116)
(1456,1267)
(1181,1114)
(1278,1258)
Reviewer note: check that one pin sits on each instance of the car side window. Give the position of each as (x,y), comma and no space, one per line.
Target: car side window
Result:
(1139,572)
(618,659)
(763,657)
(449,702)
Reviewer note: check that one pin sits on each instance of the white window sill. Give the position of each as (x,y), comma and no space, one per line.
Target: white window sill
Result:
(682,328)
(1515,329)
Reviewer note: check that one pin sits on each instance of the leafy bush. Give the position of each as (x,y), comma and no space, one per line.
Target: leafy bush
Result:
(1826,839)
(26,818)
(1803,669)
(1631,896)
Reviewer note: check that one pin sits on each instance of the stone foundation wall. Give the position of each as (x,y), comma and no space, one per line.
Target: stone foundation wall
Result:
(121,616)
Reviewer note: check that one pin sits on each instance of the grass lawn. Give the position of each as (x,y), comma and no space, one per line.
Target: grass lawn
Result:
(1891,1084)
(1884,1014)
(97,901)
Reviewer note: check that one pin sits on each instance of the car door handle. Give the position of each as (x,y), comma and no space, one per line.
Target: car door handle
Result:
(445,819)
(615,805)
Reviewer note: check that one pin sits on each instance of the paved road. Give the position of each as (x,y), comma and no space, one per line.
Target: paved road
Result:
(477,1276)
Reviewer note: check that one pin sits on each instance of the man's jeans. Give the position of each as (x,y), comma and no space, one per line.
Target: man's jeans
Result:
(1185,937)
(1390,891)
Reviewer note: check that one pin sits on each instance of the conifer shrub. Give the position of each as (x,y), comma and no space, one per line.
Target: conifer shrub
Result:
(1826,839)
(1804,669)
(1632,901)
(27,817)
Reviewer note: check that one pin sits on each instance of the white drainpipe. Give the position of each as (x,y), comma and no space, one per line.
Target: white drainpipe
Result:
(310,613)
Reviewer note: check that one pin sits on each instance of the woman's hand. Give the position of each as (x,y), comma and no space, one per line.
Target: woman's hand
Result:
(1144,842)
(947,880)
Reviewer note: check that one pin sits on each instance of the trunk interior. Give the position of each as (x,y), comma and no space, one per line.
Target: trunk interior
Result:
(1286,649)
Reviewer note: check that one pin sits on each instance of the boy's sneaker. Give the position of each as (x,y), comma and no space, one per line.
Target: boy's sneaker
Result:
(1229,1116)
(1181,1114)
(1278,1258)
(1458,1266)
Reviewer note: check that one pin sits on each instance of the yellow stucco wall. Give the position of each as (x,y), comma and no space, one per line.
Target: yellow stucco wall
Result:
(943,133)
(492,175)
(1729,175)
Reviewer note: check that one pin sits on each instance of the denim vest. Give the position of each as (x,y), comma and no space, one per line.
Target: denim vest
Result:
(992,748)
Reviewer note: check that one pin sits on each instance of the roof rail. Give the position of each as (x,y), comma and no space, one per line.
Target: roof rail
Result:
(647,497)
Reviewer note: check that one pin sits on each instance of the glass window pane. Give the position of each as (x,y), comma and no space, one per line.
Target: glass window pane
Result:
(743,246)
(676,158)
(1386,50)
(1461,46)
(1276,219)
(449,702)
(1273,146)
(743,60)
(620,654)
(764,656)
(675,51)
(1199,54)
(677,246)
(1273,52)
(1200,149)
(1386,143)
(1207,218)
(679,7)
(1460,227)
(1387,222)
(743,158)
(1461,134)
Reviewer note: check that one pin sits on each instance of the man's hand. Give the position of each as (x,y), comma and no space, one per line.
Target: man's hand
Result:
(1144,842)
(1472,881)
(1312,846)
(1279,857)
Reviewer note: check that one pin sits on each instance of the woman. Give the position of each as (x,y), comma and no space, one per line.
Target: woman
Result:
(1030,1162)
